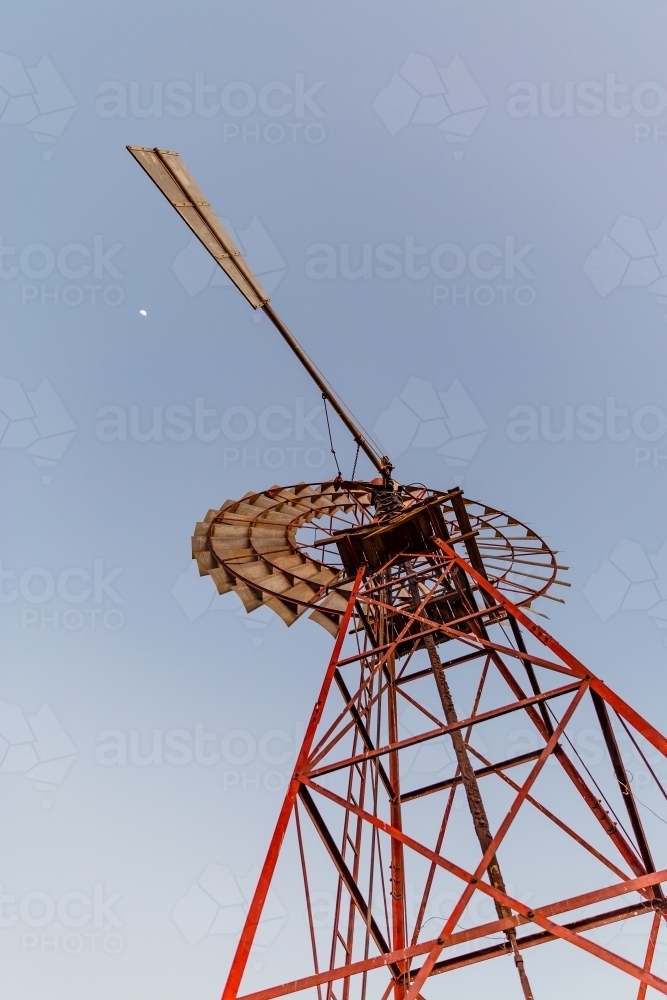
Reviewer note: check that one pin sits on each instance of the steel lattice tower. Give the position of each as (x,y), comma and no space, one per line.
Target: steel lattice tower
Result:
(430,599)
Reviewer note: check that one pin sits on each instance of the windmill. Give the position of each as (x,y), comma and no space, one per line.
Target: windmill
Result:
(431,599)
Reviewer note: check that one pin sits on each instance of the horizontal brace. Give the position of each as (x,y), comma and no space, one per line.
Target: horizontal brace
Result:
(638,884)
(544,937)
(388,645)
(648,731)
(448,627)
(445,664)
(433,734)
(469,639)
(529,941)
(502,765)
(396,581)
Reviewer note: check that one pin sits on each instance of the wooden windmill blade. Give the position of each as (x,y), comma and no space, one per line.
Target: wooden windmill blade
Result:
(168,172)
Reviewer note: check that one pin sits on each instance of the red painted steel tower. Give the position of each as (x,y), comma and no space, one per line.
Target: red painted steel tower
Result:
(523,840)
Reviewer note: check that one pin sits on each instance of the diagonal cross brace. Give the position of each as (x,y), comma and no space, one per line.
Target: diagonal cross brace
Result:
(648,731)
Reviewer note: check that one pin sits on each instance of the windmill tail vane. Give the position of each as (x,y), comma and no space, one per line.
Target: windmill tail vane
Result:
(168,172)
(440,844)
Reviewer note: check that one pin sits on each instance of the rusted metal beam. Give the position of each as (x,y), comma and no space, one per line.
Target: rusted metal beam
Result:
(481,772)
(468,536)
(468,778)
(470,639)
(386,646)
(649,732)
(544,937)
(625,848)
(494,713)
(639,884)
(254,913)
(490,852)
(447,965)
(631,885)
(345,873)
(623,783)
(363,733)
(650,951)
(530,671)
(445,664)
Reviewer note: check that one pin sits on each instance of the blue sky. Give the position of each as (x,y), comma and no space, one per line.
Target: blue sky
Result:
(512,261)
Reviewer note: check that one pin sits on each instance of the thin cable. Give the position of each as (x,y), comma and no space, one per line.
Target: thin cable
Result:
(631,778)
(586,769)
(581,761)
(354,467)
(333,450)
(651,810)
(642,755)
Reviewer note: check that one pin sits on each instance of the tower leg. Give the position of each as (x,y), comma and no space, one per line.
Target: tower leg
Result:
(240,959)
(399,932)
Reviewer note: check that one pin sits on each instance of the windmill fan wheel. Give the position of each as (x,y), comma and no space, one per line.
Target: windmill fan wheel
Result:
(296,548)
